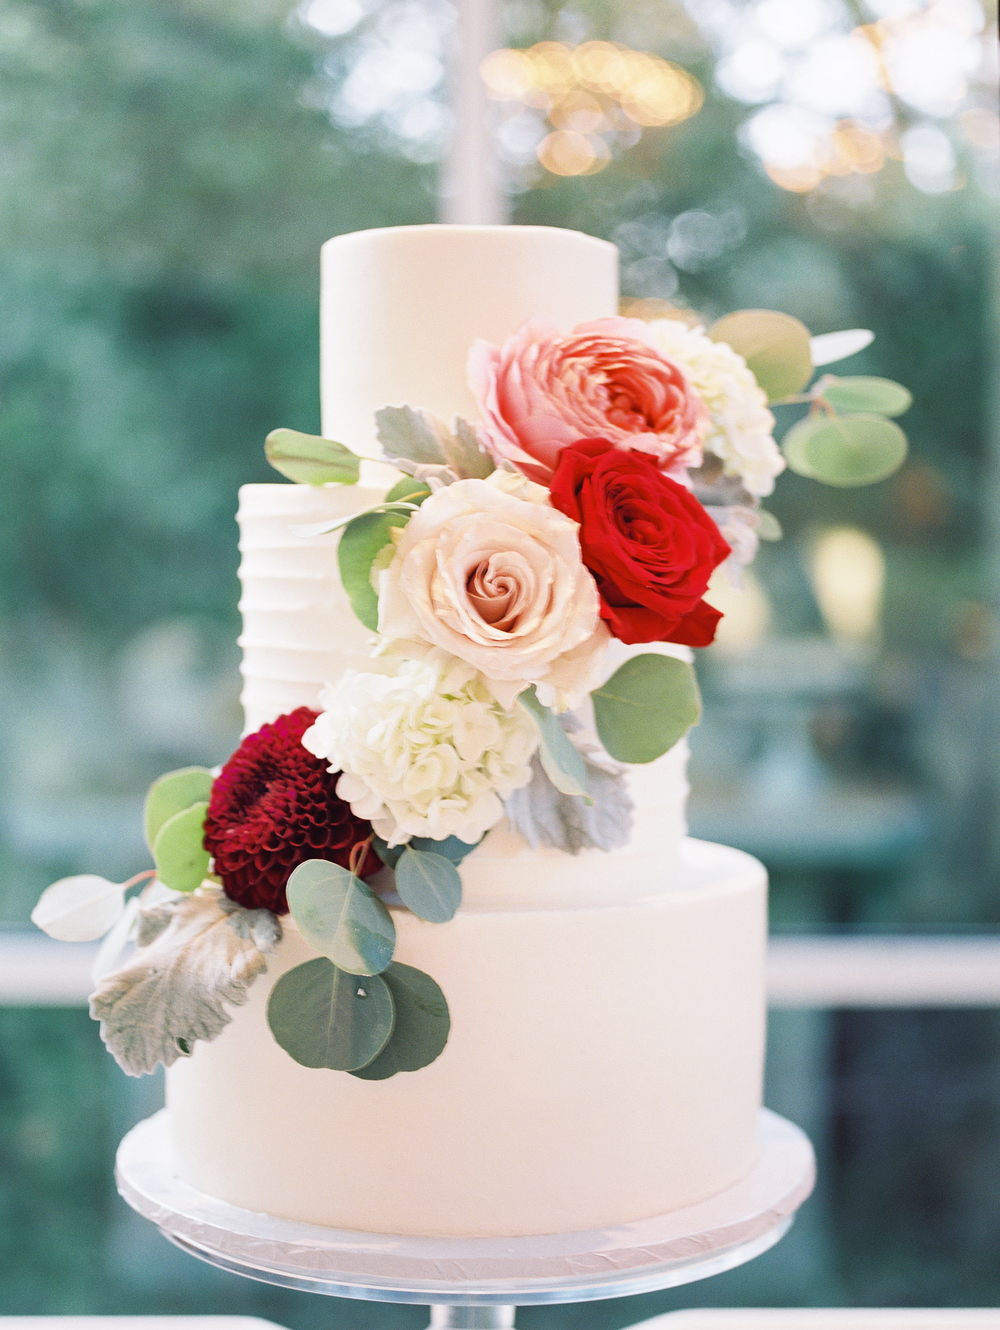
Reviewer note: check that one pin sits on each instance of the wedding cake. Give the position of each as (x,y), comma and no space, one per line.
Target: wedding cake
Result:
(605,1055)
(431,952)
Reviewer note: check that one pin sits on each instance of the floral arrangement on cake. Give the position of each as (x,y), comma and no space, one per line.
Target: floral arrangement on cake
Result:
(613,468)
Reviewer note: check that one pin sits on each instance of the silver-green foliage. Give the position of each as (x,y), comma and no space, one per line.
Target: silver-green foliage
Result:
(647,705)
(195,955)
(341,917)
(324,1017)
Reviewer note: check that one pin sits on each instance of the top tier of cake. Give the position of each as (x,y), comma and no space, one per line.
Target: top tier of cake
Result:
(401,307)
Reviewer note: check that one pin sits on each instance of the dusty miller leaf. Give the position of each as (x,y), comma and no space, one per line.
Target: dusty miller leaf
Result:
(411,433)
(464,453)
(204,951)
(545,816)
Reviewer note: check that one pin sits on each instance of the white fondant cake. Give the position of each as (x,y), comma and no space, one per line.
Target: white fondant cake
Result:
(606,1046)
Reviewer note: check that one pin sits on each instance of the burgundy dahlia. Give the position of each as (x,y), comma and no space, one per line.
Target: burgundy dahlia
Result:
(273,806)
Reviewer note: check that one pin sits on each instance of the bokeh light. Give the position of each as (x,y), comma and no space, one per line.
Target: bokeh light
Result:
(594,98)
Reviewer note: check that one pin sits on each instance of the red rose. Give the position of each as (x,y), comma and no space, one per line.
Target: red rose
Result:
(274,805)
(649,543)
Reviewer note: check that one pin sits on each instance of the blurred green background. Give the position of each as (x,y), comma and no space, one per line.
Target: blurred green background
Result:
(168,171)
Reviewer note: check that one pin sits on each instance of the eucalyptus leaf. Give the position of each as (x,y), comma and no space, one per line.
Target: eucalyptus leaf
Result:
(173,793)
(848,451)
(178,850)
(793,445)
(429,885)
(324,1017)
(452,848)
(830,347)
(79,909)
(341,917)
(388,854)
(859,393)
(363,538)
(408,490)
(310,460)
(411,433)
(775,346)
(422,1024)
(560,760)
(647,705)
(768,526)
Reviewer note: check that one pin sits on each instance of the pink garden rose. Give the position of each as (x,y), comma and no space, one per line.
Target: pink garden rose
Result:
(542,390)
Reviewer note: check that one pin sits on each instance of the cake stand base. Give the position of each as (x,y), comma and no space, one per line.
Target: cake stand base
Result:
(476,1282)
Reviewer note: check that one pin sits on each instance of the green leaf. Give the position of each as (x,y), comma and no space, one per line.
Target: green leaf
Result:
(173,793)
(341,917)
(363,538)
(647,705)
(452,848)
(406,431)
(408,490)
(859,393)
(422,1024)
(845,451)
(389,856)
(794,443)
(429,885)
(560,760)
(775,346)
(178,850)
(323,1017)
(309,460)
(768,526)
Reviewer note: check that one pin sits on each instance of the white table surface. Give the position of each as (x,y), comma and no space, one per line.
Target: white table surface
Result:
(828,1318)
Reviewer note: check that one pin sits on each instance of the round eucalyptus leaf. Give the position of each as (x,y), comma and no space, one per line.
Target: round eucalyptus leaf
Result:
(452,848)
(854,450)
(364,537)
(645,707)
(859,393)
(173,793)
(408,490)
(830,347)
(429,885)
(341,916)
(793,445)
(79,909)
(178,852)
(323,1017)
(768,526)
(775,347)
(422,1024)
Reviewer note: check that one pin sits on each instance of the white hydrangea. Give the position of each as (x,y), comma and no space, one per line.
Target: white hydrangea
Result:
(425,752)
(742,434)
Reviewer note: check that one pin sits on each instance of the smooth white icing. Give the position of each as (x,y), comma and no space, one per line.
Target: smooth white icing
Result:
(604,1065)
(607,1009)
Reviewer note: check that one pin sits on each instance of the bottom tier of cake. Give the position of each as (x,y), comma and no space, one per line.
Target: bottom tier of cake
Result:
(604,1066)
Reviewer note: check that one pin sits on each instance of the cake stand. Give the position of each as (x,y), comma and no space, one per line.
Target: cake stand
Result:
(476,1282)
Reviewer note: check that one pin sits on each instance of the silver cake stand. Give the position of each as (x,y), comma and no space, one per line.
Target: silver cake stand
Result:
(476,1282)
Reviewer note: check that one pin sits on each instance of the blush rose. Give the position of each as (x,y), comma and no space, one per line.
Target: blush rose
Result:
(649,543)
(542,390)
(498,582)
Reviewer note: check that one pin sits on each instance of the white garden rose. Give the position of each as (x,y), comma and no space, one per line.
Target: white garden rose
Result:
(497,581)
(427,752)
(742,427)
